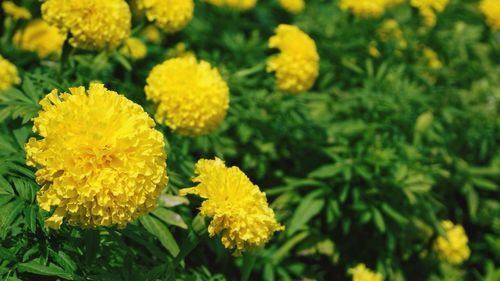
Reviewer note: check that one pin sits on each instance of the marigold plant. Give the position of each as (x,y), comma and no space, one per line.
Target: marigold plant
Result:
(454,247)
(40,37)
(169,15)
(191,96)
(239,210)
(8,74)
(100,161)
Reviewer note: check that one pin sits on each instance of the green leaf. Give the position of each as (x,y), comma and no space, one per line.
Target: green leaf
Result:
(394,214)
(170,217)
(46,270)
(379,220)
(160,230)
(307,209)
(327,171)
(484,184)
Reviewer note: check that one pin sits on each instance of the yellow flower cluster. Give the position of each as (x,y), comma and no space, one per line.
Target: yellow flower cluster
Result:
(428,9)
(152,34)
(361,273)
(134,49)
(238,209)
(14,11)
(100,161)
(40,37)
(491,10)
(297,65)
(169,15)
(92,24)
(192,97)
(8,74)
(432,58)
(293,6)
(241,5)
(453,248)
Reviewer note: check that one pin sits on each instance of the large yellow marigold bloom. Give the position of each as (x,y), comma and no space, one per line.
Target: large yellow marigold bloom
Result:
(169,15)
(8,74)
(297,65)
(92,24)
(428,9)
(453,248)
(241,5)
(134,49)
(491,10)
(14,11)
(41,38)
(361,273)
(239,210)
(293,6)
(100,161)
(364,8)
(192,97)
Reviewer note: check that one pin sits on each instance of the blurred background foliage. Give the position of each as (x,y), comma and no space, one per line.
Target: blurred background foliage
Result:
(361,169)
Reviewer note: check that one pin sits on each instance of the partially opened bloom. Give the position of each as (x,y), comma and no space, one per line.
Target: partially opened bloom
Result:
(239,210)
(235,4)
(453,248)
(169,15)
(293,6)
(8,74)
(91,24)
(14,11)
(191,97)
(100,161)
(152,34)
(134,48)
(491,10)
(361,273)
(428,10)
(297,64)
(40,37)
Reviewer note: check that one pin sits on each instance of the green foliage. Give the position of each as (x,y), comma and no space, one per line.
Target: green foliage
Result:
(361,169)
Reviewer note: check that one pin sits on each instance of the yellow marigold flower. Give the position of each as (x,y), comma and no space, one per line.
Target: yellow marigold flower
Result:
(100,161)
(491,10)
(238,209)
(428,9)
(192,97)
(392,3)
(40,37)
(361,273)
(453,248)
(169,15)
(373,50)
(293,6)
(152,34)
(8,74)
(432,58)
(297,65)
(364,8)
(241,5)
(134,49)
(14,11)
(92,24)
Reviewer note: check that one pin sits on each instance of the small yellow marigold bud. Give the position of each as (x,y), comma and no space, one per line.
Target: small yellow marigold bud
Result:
(192,97)
(293,6)
(453,248)
(241,5)
(428,9)
(92,24)
(238,209)
(40,37)
(361,273)
(14,11)
(152,34)
(169,15)
(390,30)
(297,65)
(134,49)
(491,10)
(432,58)
(100,161)
(8,74)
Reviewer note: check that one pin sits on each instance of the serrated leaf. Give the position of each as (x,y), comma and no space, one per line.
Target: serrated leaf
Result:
(160,230)
(46,270)
(307,209)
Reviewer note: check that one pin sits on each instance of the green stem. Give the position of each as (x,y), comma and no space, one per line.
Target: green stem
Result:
(249,259)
